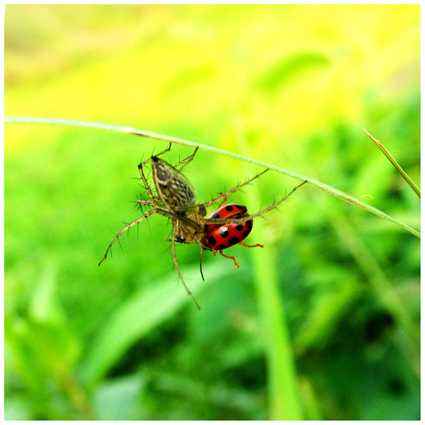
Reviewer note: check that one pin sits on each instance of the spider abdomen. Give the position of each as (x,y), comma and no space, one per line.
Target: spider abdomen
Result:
(172,185)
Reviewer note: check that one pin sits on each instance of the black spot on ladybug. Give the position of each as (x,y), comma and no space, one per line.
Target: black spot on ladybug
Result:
(239,227)
(229,207)
(240,207)
(224,231)
(246,233)
(215,215)
(249,224)
(233,240)
(212,240)
(220,247)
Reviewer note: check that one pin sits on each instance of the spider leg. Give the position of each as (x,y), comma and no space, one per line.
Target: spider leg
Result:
(250,217)
(173,253)
(202,207)
(149,213)
(198,242)
(146,184)
(158,154)
(187,160)
(202,249)
(241,220)
(229,192)
(184,162)
(143,202)
(223,201)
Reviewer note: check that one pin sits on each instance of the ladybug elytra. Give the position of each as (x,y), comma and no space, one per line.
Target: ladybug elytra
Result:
(221,236)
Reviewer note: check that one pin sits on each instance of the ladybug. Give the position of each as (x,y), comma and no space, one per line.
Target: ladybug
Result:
(221,236)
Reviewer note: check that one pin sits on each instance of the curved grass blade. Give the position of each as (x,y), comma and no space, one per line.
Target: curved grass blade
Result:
(129,130)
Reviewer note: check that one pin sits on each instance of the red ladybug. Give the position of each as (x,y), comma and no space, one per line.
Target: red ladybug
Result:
(222,236)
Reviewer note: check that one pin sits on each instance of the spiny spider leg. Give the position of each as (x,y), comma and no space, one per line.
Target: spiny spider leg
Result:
(275,204)
(144,202)
(146,215)
(187,160)
(250,217)
(173,254)
(235,189)
(158,154)
(184,161)
(200,261)
(221,196)
(146,184)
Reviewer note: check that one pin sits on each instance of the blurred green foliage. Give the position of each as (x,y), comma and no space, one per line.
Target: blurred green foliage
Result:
(289,85)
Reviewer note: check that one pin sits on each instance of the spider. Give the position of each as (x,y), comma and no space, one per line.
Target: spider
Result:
(176,199)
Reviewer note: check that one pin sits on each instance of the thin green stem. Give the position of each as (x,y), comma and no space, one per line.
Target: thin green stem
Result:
(129,130)
(283,387)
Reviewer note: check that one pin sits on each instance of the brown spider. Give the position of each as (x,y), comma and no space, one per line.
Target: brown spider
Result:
(176,200)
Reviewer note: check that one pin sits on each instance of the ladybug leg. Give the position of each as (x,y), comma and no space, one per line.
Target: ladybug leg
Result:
(228,256)
(251,246)
(173,253)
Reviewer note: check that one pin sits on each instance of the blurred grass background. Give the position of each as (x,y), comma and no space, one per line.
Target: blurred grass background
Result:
(288,85)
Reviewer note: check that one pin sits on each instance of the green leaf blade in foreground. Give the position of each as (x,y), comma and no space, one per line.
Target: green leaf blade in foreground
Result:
(136,318)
